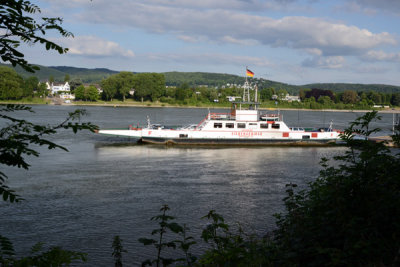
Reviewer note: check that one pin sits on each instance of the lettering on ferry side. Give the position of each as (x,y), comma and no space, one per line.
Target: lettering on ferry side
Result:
(247,133)
(149,132)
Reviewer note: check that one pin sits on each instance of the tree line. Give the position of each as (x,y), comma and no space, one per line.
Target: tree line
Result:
(349,97)
(152,87)
(13,86)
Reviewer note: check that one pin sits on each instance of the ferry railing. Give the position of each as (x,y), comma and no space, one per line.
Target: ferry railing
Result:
(221,116)
(266,116)
(215,116)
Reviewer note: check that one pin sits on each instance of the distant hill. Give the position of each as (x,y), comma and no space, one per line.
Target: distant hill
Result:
(198,79)
(86,75)
(219,79)
(59,72)
(340,87)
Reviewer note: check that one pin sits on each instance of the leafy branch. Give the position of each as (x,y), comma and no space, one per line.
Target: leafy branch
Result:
(16,27)
(19,135)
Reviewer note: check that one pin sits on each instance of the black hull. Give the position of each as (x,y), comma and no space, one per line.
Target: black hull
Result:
(237,142)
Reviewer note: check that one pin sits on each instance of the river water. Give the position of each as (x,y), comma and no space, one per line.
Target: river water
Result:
(105,186)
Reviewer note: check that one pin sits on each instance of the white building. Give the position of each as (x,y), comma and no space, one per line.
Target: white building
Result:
(55,89)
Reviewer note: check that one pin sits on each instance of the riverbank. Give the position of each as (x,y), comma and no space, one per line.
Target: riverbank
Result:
(166,105)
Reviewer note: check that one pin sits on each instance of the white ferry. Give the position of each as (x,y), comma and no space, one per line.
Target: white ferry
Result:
(245,124)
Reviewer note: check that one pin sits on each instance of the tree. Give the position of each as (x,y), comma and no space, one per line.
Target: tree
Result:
(91,93)
(66,78)
(302,94)
(350,215)
(266,94)
(317,93)
(75,83)
(10,84)
(31,84)
(395,100)
(149,86)
(80,92)
(42,90)
(325,100)
(281,93)
(51,79)
(109,87)
(349,97)
(17,27)
(124,83)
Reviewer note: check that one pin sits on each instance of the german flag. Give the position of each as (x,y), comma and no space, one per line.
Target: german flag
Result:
(249,73)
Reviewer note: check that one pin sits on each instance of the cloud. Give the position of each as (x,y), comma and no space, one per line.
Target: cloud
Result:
(92,46)
(325,62)
(381,56)
(211,24)
(242,5)
(208,58)
(392,6)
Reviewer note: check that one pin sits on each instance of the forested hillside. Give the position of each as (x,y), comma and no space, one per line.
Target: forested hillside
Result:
(198,79)
(341,87)
(58,73)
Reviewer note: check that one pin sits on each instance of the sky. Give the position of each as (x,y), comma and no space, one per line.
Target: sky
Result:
(291,41)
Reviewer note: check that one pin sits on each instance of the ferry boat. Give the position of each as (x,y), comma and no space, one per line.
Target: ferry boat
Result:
(245,124)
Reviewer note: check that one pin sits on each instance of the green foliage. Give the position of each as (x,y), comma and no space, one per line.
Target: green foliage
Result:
(161,244)
(341,87)
(54,256)
(117,251)
(86,93)
(149,86)
(31,84)
(80,92)
(16,26)
(59,73)
(92,93)
(118,85)
(42,90)
(230,248)
(10,84)
(395,100)
(350,215)
(124,82)
(267,93)
(18,137)
(109,87)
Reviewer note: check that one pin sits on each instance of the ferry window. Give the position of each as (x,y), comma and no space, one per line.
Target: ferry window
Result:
(217,125)
(275,126)
(230,125)
(305,137)
(253,124)
(183,135)
(241,125)
(263,125)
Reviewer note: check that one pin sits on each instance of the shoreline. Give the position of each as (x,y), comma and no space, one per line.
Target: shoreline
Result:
(157,105)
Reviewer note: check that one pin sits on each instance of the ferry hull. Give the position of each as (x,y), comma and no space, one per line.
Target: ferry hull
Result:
(237,142)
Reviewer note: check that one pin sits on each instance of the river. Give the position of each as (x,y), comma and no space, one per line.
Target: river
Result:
(105,187)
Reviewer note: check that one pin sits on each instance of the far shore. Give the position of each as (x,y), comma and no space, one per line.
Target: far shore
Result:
(164,105)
